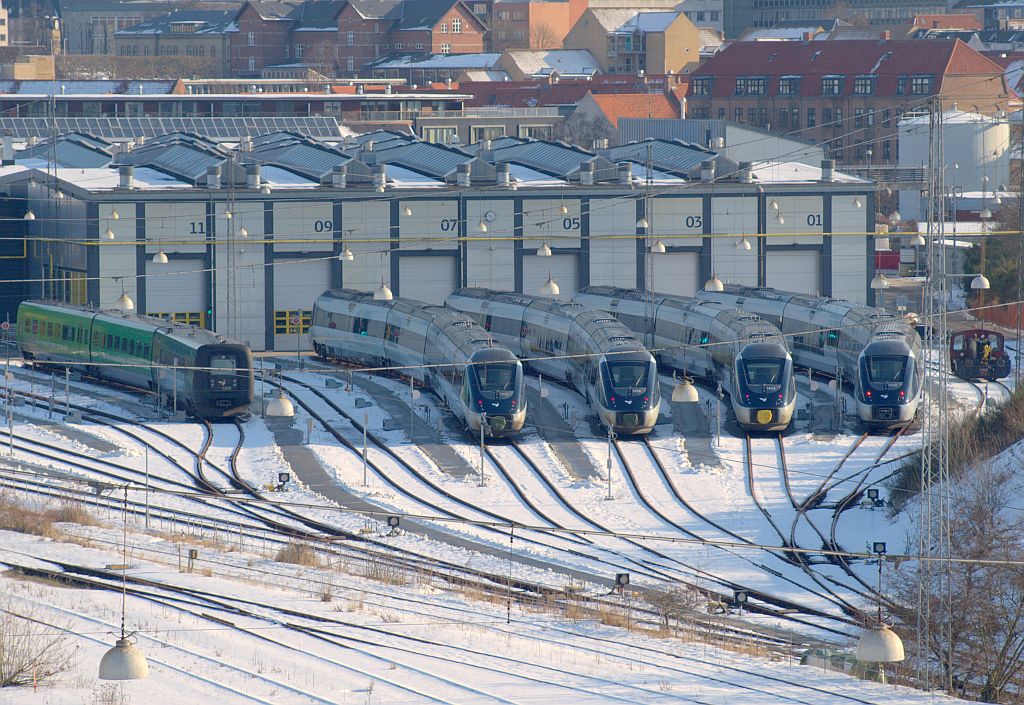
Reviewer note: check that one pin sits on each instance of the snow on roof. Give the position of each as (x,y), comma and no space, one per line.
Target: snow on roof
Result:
(525,175)
(565,61)
(400,176)
(796,172)
(278,177)
(438,61)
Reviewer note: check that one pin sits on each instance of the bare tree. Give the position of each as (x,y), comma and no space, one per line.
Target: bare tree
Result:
(30,649)
(583,129)
(544,37)
(974,611)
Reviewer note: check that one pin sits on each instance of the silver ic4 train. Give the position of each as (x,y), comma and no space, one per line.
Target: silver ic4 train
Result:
(879,353)
(743,352)
(588,349)
(482,384)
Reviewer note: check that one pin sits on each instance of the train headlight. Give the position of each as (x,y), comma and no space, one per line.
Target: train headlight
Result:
(764,416)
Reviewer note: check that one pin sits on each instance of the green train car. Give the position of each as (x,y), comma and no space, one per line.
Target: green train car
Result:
(211,376)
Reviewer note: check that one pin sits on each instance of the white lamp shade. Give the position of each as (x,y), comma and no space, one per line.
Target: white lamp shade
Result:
(879,282)
(743,244)
(985,214)
(280,406)
(918,240)
(125,303)
(880,645)
(714,284)
(780,219)
(895,217)
(407,211)
(482,226)
(124,662)
(228,215)
(265,189)
(857,203)
(382,293)
(29,215)
(980,282)
(550,288)
(160,257)
(642,223)
(346,255)
(114,215)
(109,234)
(685,392)
(773,204)
(563,209)
(544,250)
(658,248)
(243,232)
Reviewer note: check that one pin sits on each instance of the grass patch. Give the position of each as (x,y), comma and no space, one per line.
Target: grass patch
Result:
(298,554)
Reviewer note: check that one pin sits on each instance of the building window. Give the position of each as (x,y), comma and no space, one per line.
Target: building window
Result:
(283,322)
(811,118)
(751,85)
(920,85)
(762,118)
(519,15)
(697,114)
(399,45)
(737,115)
(789,85)
(901,85)
(252,63)
(351,64)
(826,116)
(858,117)
(350,39)
(836,150)
(839,117)
(794,118)
(864,85)
(251,39)
(446,48)
(858,150)
(886,150)
(783,119)
(456,25)
(702,85)
(298,51)
(886,117)
(721,113)
(419,45)
(444,26)
(831,85)
(188,318)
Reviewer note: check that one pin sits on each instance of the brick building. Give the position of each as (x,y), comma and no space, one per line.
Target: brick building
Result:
(846,95)
(533,24)
(261,38)
(627,41)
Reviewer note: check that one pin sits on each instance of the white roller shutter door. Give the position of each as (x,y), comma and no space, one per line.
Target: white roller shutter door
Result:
(798,271)
(175,287)
(564,270)
(676,273)
(297,284)
(427,279)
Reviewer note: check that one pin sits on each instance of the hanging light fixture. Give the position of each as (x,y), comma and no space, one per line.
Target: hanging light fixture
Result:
(29,215)
(124,661)
(124,302)
(658,248)
(780,219)
(160,257)
(481,226)
(563,209)
(857,203)
(114,215)
(918,241)
(109,234)
(346,255)
(714,284)
(265,189)
(985,214)
(997,199)
(895,217)
(641,222)
(550,287)
(281,405)
(773,204)
(879,281)
(382,292)
(407,211)
(243,232)
(684,391)
(743,244)
(544,250)
(228,215)
(980,282)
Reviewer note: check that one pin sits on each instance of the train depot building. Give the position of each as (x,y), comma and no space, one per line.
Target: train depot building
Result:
(242,238)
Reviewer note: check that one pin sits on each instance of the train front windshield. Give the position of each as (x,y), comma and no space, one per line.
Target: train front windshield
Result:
(765,382)
(758,373)
(887,369)
(496,380)
(225,374)
(628,378)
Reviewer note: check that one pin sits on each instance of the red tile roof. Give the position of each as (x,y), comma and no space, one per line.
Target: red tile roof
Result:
(888,60)
(635,105)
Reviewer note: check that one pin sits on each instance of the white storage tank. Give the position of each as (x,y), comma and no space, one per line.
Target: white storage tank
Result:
(974,146)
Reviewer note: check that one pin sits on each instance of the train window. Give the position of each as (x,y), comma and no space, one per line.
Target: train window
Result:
(222,372)
(49,330)
(487,322)
(392,332)
(886,368)
(359,326)
(626,376)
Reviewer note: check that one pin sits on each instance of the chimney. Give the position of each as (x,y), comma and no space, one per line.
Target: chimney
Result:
(600,143)
(462,176)
(126,176)
(8,151)
(140,140)
(707,171)
(33,141)
(828,170)
(339,176)
(245,144)
(380,178)
(504,177)
(387,89)
(626,173)
(252,176)
(746,174)
(886,35)
(587,174)
(213,177)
